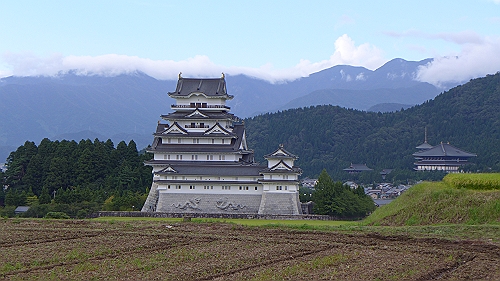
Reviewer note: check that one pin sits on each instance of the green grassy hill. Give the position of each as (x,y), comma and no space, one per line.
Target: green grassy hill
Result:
(444,202)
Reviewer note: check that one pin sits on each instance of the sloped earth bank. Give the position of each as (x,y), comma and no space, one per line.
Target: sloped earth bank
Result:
(141,250)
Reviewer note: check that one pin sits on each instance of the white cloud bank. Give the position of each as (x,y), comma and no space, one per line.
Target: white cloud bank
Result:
(26,64)
(478,56)
(474,60)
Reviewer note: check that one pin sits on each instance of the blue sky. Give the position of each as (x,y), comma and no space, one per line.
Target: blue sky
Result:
(273,40)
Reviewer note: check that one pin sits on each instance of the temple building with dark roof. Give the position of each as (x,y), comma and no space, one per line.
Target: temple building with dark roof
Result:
(202,163)
(442,157)
(357,168)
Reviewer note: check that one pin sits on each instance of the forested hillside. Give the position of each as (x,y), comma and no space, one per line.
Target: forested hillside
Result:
(331,137)
(78,177)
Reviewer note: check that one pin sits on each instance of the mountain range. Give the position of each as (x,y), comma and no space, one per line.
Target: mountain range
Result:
(127,106)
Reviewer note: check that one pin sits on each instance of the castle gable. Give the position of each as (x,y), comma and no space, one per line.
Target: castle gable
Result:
(217,129)
(197,114)
(281,166)
(175,129)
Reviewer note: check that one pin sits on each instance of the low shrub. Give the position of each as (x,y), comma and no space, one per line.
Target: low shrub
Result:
(56,215)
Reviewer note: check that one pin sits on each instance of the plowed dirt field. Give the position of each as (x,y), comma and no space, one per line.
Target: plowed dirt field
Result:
(153,250)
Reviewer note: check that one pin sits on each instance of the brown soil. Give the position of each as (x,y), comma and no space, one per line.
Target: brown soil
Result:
(86,250)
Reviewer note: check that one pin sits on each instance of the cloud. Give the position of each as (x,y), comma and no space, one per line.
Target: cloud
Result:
(28,64)
(474,60)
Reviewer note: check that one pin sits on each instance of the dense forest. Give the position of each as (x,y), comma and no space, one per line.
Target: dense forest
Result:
(75,178)
(332,137)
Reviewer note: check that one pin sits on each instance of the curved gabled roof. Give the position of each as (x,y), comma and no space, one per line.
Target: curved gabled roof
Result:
(424,146)
(204,115)
(281,153)
(282,167)
(357,168)
(209,87)
(444,149)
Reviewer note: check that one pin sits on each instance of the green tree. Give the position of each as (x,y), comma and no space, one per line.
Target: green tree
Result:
(17,163)
(336,199)
(44,196)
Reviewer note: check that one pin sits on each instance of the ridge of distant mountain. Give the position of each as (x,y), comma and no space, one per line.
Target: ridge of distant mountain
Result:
(395,74)
(365,99)
(388,107)
(33,108)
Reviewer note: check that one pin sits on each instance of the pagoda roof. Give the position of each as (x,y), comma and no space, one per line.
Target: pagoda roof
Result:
(198,114)
(208,87)
(444,150)
(235,145)
(211,169)
(357,168)
(280,153)
(424,146)
(386,171)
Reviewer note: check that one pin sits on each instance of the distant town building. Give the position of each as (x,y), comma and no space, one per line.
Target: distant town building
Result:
(202,163)
(357,168)
(21,209)
(442,157)
(309,183)
(351,184)
(385,172)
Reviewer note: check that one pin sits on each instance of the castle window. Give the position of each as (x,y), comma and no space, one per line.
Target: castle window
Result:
(178,140)
(222,141)
(213,141)
(168,187)
(192,187)
(255,188)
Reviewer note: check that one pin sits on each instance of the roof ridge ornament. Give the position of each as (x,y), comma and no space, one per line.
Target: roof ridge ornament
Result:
(180,75)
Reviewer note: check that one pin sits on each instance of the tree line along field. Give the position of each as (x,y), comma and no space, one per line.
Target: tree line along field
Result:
(174,250)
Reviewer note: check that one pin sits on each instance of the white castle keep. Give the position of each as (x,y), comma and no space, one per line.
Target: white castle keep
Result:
(202,163)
